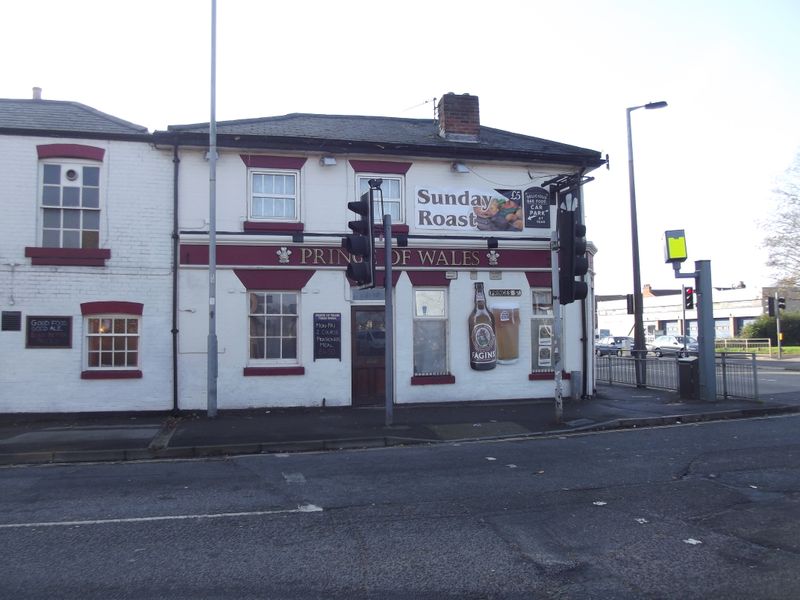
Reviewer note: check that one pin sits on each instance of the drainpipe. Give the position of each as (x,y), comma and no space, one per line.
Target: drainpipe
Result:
(175,260)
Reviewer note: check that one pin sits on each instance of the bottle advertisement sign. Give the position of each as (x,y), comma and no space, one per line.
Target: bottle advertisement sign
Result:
(480,210)
(493,331)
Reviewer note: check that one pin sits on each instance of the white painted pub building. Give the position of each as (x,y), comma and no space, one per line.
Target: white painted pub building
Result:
(104,261)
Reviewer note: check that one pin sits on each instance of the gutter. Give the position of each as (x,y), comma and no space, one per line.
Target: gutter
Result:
(175,258)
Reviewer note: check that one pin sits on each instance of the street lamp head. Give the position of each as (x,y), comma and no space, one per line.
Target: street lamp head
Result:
(652,105)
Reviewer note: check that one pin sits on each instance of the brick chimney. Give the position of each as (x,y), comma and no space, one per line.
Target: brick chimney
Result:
(459,117)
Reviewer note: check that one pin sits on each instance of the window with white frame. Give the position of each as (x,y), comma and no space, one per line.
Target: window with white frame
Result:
(430,331)
(274,195)
(544,349)
(70,205)
(273,326)
(392,188)
(112,342)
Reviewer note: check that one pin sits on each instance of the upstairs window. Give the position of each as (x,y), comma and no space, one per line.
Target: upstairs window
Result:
(392,188)
(70,205)
(273,195)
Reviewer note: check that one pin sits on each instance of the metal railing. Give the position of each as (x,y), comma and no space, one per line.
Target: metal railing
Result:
(736,373)
(729,345)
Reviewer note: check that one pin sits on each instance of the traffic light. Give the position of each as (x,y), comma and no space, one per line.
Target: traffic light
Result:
(688,298)
(361,243)
(572,259)
(771,306)
(782,303)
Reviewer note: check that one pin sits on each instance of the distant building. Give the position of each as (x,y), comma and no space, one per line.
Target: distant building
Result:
(663,311)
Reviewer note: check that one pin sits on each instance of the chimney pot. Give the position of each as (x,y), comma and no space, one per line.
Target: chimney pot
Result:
(37,93)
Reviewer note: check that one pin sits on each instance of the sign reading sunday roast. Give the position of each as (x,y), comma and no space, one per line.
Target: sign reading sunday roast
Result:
(466,210)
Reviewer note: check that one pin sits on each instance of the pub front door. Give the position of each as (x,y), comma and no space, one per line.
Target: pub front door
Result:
(368,337)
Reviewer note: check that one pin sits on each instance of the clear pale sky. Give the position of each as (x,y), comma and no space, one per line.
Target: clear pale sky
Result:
(563,70)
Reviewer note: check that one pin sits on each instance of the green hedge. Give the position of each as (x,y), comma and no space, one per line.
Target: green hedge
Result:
(766,327)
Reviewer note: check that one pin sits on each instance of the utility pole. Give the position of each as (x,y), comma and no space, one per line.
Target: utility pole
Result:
(212,366)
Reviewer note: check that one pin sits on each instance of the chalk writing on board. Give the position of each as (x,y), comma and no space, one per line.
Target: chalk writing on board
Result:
(327,335)
(48,332)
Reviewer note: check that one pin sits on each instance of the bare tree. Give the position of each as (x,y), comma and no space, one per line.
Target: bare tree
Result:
(783,228)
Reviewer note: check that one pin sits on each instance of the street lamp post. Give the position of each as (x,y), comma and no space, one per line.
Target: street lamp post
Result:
(639,350)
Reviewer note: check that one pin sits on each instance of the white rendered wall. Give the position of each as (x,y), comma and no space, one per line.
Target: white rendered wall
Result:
(136,224)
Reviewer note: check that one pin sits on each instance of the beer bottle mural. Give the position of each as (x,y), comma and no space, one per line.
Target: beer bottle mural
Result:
(482,340)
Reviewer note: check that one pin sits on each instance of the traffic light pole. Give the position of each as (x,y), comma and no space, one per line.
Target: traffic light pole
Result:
(388,318)
(557,334)
(684,329)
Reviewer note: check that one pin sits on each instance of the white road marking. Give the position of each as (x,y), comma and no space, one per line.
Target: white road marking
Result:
(303,508)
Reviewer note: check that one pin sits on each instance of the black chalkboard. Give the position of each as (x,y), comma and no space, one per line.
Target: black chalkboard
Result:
(48,332)
(327,335)
(537,208)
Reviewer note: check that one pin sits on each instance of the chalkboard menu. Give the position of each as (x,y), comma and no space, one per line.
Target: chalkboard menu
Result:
(537,208)
(48,332)
(327,335)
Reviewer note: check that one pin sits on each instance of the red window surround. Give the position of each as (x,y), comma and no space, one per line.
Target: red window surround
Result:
(70,151)
(432,379)
(105,307)
(274,279)
(76,257)
(383,167)
(547,375)
(539,278)
(273,371)
(263,161)
(428,278)
(267,280)
(110,374)
(439,279)
(273,226)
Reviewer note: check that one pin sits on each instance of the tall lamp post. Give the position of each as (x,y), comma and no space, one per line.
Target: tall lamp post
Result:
(639,349)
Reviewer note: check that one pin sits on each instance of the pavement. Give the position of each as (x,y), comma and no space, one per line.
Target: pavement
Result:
(93,437)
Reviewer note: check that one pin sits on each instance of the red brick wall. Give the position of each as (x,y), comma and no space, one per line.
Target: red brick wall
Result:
(459,114)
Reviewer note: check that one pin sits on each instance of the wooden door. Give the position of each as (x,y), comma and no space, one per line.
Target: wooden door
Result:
(368,335)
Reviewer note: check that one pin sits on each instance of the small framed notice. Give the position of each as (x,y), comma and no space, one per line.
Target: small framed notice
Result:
(327,335)
(48,332)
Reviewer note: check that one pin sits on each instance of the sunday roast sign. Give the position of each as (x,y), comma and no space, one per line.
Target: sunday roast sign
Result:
(480,210)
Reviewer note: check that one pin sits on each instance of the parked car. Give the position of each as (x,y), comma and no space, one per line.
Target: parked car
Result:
(613,344)
(680,345)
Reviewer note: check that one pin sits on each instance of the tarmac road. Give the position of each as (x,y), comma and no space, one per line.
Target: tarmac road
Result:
(710,510)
